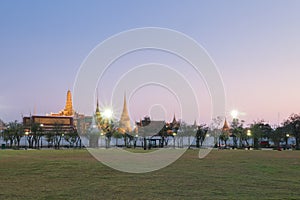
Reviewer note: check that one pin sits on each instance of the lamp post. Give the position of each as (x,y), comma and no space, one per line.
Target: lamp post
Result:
(135,141)
(286,140)
(174,136)
(62,140)
(41,125)
(248,136)
(108,123)
(26,137)
(234,114)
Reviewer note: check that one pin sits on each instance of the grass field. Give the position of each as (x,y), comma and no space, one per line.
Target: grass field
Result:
(74,174)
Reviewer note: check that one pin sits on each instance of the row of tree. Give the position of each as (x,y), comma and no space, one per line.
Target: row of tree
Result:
(14,131)
(261,131)
(241,135)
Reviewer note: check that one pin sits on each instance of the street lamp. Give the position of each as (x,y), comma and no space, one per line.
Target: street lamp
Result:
(108,114)
(135,140)
(174,135)
(26,137)
(234,114)
(248,132)
(249,135)
(41,125)
(286,140)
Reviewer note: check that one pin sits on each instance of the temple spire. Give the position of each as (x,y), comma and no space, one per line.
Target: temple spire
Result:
(125,120)
(68,111)
(97,106)
(225,126)
(174,119)
(97,113)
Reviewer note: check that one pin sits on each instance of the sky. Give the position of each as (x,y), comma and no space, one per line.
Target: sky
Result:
(254,44)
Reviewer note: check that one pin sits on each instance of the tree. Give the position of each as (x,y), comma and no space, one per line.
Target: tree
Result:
(224,137)
(215,129)
(36,133)
(57,134)
(200,135)
(8,136)
(72,138)
(260,130)
(13,133)
(108,128)
(237,131)
(292,125)
(164,134)
(49,137)
(127,139)
(277,136)
(188,131)
(117,135)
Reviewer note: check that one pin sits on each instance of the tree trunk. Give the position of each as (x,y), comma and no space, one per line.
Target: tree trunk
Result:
(197,142)
(18,143)
(11,142)
(297,143)
(255,140)
(240,142)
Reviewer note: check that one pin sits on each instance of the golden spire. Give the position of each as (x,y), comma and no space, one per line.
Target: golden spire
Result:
(225,126)
(68,111)
(125,120)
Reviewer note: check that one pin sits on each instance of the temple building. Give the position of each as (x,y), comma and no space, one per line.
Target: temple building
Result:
(68,110)
(175,124)
(124,124)
(50,123)
(97,113)
(226,128)
(64,118)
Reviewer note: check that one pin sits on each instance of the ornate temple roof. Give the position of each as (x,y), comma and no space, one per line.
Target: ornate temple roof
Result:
(225,126)
(125,120)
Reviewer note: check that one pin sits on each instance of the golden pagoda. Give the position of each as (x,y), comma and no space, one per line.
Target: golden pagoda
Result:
(226,128)
(124,125)
(68,110)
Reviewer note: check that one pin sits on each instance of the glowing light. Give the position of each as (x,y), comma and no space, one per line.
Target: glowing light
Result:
(234,114)
(248,132)
(107,113)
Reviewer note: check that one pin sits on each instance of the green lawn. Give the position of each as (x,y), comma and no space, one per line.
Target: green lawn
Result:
(225,174)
